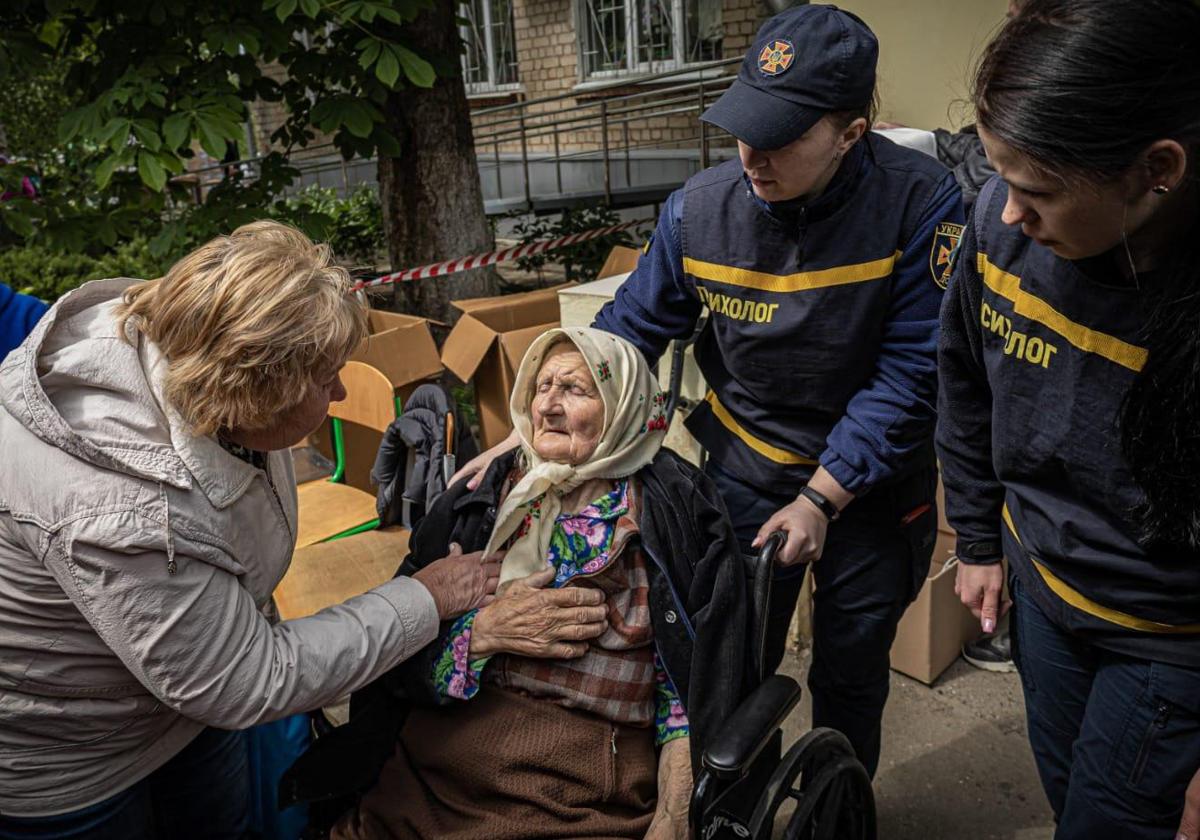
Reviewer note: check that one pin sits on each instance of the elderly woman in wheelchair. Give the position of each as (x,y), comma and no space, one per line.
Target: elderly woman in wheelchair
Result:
(564,707)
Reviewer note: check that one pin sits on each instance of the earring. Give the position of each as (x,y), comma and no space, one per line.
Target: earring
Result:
(1160,189)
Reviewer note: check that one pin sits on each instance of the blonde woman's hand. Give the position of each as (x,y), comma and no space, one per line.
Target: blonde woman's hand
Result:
(529,620)
(461,582)
(477,466)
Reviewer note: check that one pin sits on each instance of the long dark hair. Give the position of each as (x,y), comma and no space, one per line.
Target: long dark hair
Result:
(1082,88)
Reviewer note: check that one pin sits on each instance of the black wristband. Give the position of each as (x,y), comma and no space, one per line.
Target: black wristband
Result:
(823,504)
(979,552)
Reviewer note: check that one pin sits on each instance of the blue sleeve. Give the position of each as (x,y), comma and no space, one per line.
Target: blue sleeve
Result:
(894,413)
(974,495)
(19,314)
(657,303)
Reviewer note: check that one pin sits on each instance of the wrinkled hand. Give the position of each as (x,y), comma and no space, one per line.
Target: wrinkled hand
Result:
(674,792)
(460,582)
(805,526)
(979,588)
(477,466)
(1189,826)
(529,620)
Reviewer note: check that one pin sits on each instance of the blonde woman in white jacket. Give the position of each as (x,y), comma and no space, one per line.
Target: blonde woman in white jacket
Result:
(147,512)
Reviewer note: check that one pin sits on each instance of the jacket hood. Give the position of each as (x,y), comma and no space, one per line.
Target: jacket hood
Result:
(80,386)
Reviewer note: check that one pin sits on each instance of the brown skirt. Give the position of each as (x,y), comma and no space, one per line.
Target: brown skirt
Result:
(504,765)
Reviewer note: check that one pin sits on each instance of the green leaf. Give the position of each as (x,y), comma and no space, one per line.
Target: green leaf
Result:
(387,143)
(285,10)
(389,14)
(115,133)
(171,162)
(105,169)
(18,223)
(211,138)
(70,124)
(370,54)
(311,8)
(175,130)
(106,232)
(358,120)
(418,70)
(387,70)
(146,135)
(161,244)
(151,171)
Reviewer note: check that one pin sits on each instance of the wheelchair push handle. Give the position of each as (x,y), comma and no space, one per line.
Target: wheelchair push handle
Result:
(771,546)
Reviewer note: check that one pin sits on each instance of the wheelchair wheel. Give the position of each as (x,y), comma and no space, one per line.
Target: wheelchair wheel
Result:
(819,791)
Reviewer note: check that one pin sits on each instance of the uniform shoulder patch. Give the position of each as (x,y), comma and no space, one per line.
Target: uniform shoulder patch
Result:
(941,254)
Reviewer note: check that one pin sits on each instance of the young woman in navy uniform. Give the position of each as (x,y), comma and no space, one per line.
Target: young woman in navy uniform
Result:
(1069,417)
(821,253)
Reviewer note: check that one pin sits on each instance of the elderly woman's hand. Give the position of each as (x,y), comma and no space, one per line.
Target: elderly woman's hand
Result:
(460,582)
(529,620)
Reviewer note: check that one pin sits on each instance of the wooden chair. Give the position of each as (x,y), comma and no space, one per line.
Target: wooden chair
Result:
(331,509)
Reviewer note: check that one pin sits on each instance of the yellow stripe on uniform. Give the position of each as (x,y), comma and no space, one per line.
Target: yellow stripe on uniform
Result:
(1031,306)
(1085,604)
(774,453)
(801,281)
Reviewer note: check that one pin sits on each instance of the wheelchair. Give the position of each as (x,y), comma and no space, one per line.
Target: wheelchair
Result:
(748,787)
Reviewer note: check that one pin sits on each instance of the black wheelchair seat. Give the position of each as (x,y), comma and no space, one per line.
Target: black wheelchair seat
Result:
(748,788)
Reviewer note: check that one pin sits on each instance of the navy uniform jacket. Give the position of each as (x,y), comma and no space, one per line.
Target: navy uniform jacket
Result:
(1037,354)
(822,336)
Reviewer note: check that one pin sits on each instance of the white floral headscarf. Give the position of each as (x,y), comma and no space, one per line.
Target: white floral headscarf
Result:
(635,424)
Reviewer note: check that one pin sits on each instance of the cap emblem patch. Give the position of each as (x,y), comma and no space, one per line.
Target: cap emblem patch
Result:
(776,57)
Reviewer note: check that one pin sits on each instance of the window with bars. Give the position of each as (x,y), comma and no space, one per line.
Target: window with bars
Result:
(647,36)
(490,59)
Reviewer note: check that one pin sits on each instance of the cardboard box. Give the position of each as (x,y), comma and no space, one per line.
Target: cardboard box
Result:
(487,345)
(402,347)
(943,525)
(621,260)
(936,625)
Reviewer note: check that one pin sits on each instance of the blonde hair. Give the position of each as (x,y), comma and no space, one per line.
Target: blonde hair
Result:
(247,322)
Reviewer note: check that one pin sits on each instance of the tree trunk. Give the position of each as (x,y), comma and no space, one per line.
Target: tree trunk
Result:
(431,196)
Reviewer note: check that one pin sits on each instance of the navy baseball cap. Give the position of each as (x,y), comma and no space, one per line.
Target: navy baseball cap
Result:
(805,62)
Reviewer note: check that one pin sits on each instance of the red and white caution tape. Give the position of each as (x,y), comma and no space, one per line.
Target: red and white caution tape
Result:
(480,260)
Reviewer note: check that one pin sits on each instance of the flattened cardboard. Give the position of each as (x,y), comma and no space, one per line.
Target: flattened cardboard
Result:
(487,345)
(936,625)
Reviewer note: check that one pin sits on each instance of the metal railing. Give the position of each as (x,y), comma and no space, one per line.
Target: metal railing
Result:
(602,108)
(620,108)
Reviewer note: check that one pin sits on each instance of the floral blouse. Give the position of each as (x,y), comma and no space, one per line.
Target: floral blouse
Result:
(580,545)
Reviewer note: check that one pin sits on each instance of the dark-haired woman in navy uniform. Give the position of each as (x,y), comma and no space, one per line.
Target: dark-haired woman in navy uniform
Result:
(1069,421)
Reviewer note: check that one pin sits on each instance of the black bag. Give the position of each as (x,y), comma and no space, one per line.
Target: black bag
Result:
(420,451)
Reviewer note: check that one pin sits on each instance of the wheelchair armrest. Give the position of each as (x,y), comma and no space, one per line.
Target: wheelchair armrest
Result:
(744,734)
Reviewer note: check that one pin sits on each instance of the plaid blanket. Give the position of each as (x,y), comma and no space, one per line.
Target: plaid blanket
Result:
(615,678)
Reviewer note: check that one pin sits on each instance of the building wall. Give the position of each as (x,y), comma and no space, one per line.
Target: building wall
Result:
(548,61)
(927,51)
